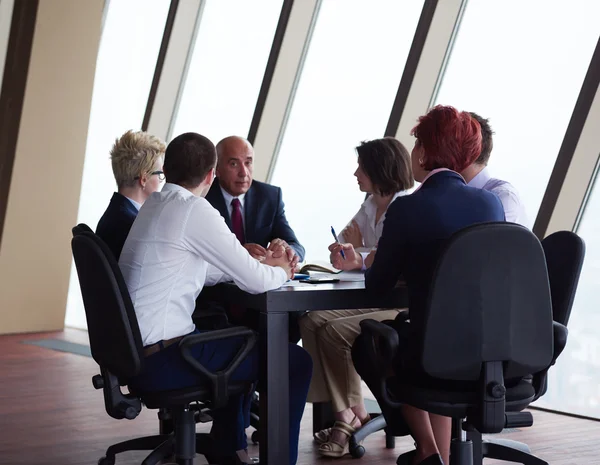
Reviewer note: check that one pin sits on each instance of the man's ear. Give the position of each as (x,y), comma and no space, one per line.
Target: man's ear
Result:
(210,176)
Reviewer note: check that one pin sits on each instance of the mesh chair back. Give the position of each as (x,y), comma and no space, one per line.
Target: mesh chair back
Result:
(564,252)
(489,301)
(115,339)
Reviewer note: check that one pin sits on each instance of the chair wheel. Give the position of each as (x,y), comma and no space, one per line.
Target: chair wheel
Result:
(106,461)
(255,437)
(357,452)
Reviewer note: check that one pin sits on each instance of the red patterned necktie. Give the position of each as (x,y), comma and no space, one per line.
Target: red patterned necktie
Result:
(236,221)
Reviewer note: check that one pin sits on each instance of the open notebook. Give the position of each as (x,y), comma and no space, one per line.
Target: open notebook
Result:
(319,265)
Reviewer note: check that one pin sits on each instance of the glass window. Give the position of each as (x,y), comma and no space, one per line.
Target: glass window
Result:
(131,39)
(227,67)
(522,64)
(574,382)
(6,8)
(345,95)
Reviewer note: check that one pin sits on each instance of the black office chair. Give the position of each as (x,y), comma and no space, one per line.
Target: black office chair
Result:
(474,363)
(116,346)
(564,251)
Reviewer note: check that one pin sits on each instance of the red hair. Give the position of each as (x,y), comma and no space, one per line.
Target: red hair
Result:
(450,138)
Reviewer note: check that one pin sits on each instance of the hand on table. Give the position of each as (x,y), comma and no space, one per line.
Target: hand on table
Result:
(280,247)
(281,260)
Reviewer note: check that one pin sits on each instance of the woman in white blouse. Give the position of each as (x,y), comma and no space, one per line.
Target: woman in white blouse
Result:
(384,172)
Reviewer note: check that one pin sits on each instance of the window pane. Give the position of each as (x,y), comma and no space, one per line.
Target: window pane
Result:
(345,95)
(227,67)
(131,38)
(523,69)
(574,382)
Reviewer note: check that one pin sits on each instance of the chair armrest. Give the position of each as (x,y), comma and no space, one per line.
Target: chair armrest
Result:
(403,315)
(540,380)
(117,404)
(560,339)
(381,345)
(219,379)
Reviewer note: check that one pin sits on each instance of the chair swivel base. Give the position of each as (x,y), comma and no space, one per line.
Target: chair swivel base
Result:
(465,453)
(162,446)
(376,423)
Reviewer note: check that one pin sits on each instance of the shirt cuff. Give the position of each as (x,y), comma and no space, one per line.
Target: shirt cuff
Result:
(282,273)
(364,256)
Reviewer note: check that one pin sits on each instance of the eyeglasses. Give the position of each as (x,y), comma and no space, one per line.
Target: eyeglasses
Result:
(160,174)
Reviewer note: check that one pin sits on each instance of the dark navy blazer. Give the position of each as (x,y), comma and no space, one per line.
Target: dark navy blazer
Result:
(417,226)
(116,222)
(264,215)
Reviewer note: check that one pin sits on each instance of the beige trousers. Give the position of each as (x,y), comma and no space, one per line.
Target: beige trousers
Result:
(328,337)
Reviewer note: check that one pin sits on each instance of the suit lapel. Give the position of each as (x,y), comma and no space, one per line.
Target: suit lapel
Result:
(216,199)
(250,214)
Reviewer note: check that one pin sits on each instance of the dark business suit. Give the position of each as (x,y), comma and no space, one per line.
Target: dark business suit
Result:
(264,215)
(415,230)
(264,220)
(116,222)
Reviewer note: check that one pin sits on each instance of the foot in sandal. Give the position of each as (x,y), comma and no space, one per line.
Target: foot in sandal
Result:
(338,444)
(324,435)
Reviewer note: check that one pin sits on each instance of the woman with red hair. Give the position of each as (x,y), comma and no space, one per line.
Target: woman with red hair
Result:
(416,225)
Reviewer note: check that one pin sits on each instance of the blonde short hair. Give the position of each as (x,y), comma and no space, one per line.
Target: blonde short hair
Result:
(134,154)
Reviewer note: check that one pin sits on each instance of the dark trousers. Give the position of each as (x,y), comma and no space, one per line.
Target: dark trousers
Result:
(167,369)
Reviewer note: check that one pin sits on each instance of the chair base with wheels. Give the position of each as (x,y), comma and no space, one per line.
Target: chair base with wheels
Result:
(469,448)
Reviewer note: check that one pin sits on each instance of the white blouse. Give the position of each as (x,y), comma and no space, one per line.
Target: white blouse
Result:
(369,228)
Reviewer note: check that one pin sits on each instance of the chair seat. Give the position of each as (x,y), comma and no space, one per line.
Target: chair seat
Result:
(178,397)
(454,402)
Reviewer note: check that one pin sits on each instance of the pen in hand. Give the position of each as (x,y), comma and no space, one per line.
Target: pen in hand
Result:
(336,240)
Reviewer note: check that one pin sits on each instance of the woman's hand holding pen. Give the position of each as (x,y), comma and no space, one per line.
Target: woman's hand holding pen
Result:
(353,259)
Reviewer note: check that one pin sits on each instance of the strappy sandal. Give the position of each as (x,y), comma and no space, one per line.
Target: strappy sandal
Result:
(333,448)
(321,437)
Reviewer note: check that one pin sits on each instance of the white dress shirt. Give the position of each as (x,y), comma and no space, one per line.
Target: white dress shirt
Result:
(369,227)
(228,198)
(178,244)
(137,205)
(514,210)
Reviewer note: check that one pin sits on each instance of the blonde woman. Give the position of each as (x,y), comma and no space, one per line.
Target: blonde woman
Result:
(137,160)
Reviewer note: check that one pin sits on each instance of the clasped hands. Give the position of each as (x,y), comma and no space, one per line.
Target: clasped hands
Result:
(277,253)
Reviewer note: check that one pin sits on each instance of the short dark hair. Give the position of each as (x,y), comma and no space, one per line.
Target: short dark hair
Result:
(387,164)
(487,142)
(188,159)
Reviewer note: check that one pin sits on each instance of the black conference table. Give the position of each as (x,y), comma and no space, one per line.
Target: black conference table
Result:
(274,307)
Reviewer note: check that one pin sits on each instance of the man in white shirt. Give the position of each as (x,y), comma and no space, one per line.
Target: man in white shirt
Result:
(477,175)
(178,244)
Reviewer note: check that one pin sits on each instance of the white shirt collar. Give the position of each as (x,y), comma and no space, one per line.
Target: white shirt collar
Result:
(176,187)
(134,203)
(371,206)
(228,197)
(481,179)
